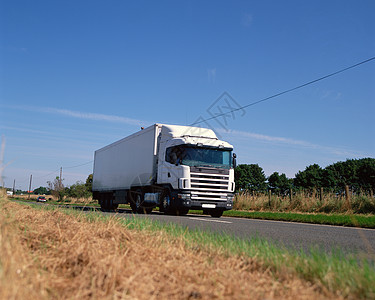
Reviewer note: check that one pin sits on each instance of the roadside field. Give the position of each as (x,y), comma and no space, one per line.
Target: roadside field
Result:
(55,253)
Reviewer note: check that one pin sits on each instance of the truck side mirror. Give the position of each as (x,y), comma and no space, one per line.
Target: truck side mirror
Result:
(234,160)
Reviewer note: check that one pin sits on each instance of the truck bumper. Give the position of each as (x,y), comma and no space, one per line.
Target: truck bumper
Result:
(184,200)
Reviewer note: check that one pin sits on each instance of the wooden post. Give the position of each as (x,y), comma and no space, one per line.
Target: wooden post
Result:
(314,192)
(269,198)
(347,196)
(290,195)
(321,194)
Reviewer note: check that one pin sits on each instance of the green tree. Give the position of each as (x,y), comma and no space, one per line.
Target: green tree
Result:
(329,180)
(358,174)
(41,191)
(279,184)
(311,177)
(89,183)
(250,177)
(366,174)
(57,188)
(78,190)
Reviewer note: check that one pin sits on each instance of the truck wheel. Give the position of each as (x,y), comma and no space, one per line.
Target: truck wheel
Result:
(216,213)
(165,204)
(107,205)
(182,211)
(136,201)
(103,206)
(147,210)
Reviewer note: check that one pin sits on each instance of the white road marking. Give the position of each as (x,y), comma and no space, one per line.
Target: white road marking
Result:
(210,220)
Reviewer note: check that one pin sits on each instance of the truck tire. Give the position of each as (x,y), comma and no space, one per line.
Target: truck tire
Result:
(137,203)
(107,205)
(135,200)
(102,204)
(183,211)
(216,213)
(147,210)
(165,204)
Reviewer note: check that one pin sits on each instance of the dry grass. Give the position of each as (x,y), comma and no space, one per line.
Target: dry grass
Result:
(49,254)
(81,201)
(305,203)
(34,197)
(71,200)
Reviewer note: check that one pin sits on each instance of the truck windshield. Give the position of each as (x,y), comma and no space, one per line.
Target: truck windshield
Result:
(199,156)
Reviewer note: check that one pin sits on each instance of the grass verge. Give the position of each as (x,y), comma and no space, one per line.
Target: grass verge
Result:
(331,276)
(329,219)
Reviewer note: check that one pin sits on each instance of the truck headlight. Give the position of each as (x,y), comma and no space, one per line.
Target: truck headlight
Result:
(184,196)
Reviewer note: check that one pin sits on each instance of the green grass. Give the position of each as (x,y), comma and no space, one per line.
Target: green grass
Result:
(329,219)
(348,275)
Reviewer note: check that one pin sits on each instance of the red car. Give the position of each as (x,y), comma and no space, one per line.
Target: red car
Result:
(41,199)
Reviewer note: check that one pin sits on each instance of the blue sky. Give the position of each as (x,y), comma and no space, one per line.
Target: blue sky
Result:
(78,75)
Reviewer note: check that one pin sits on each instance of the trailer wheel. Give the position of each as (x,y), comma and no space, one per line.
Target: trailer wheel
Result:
(136,200)
(137,203)
(106,203)
(102,204)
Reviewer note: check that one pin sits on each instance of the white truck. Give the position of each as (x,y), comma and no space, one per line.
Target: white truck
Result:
(175,168)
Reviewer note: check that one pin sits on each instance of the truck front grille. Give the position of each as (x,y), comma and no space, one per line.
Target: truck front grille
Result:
(209,184)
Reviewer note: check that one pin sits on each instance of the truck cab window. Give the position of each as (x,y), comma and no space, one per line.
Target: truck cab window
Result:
(193,156)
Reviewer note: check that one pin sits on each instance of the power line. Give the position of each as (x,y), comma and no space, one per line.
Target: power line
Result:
(79,165)
(47,174)
(71,167)
(287,91)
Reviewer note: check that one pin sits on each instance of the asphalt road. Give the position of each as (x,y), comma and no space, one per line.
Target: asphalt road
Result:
(293,235)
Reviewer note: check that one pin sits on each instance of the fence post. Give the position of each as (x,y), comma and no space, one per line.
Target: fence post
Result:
(269,198)
(290,195)
(321,194)
(347,196)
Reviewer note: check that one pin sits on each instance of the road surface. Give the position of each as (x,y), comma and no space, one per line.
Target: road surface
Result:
(293,235)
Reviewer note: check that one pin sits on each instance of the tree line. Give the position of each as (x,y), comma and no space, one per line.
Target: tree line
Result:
(58,190)
(357,174)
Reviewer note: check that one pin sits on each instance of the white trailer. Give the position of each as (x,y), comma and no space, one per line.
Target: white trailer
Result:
(176,168)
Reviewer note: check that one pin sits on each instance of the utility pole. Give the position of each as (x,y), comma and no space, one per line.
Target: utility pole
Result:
(31,178)
(14,187)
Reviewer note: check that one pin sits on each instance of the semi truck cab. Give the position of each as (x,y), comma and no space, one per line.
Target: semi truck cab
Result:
(198,167)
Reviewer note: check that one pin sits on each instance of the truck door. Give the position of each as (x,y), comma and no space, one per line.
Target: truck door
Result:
(167,167)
